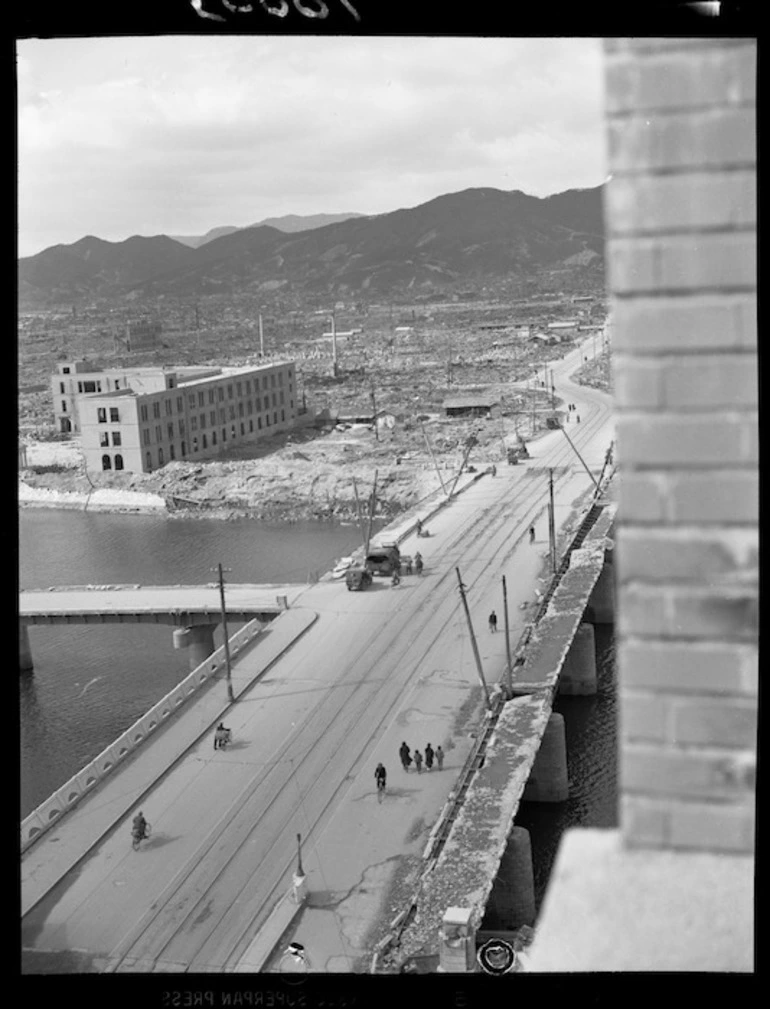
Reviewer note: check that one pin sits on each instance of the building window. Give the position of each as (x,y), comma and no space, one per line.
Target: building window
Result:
(251,425)
(106,462)
(156,411)
(222,415)
(259,404)
(148,460)
(181,428)
(274,400)
(232,413)
(194,444)
(117,386)
(143,411)
(224,434)
(243,428)
(191,401)
(193,423)
(240,409)
(64,406)
(280,396)
(116,439)
(272,381)
(104,439)
(232,431)
(114,415)
(213,437)
(264,381)
(101,415)
(259,423)
(291,403)
(98,386)
(171,452)
(180,404)
(205,442)
(280,378)
(211,395)
(118,461)
(213,417)
(267,420)
(158,433)
(220,394)
(184,450)
(275,417)
(249,406)
(248,386)
(283,415)
(61,388)
(229,392)
(238,389)
(202,420)
(65,371)
(201,398)
(160,457)
(80,387)
(170,429)
(146,436)
(169,407)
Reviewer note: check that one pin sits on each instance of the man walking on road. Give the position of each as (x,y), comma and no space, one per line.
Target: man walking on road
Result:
(403,752)
(531,534)
(440,757)
(429,756)
(418,761)
(493,621)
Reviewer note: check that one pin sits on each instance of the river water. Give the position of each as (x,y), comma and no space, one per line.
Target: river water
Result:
(90,683)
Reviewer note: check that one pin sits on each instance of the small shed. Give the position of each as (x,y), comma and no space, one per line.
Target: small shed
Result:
(472,405)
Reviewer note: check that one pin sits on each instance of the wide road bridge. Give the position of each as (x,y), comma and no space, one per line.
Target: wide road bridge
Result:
(329,688)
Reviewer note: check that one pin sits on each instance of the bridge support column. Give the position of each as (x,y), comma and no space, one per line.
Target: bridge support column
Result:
(457,942)
(578,674)
(548,779)
(25,651)
(601,605)
(512,901)
(199,640)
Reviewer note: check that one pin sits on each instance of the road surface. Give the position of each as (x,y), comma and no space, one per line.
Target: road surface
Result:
(377,667)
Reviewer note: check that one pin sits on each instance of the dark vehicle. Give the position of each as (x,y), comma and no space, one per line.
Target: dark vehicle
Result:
(552,420)
(357,579)
(383,560)
(513,457)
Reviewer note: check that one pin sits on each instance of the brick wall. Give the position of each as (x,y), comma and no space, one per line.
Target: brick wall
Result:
(681,223)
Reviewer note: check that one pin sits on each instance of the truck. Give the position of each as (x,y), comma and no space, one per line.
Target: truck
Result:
(383,559)
(357,579)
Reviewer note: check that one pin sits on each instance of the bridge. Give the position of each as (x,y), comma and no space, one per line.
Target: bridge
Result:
(194,609)
(329,687)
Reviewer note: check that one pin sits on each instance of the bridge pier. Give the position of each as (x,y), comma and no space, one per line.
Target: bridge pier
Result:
(199,640)
(601,604)
(512,900)
(547,781)
(25,651)
(578,674)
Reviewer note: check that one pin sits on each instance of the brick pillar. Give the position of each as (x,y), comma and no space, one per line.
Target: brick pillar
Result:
(681,233)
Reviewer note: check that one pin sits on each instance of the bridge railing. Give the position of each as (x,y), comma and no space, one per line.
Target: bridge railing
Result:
(50,812)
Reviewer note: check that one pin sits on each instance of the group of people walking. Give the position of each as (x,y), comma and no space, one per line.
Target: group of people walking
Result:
(571,407)
(408,756)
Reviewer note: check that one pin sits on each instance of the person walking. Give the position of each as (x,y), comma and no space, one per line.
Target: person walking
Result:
(429,752)
(380,777)
(418,761)
(493,621)
(531,534)
(403,752)
(440,757)
(577,417)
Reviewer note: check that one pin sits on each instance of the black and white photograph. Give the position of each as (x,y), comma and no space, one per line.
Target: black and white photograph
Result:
(388,501)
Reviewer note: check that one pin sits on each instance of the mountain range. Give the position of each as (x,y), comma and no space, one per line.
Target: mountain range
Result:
(288,223)
(473,237)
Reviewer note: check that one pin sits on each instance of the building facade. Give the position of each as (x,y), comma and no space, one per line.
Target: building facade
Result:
(191,416)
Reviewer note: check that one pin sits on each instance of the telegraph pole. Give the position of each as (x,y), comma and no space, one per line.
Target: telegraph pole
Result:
(509,677)
(374,411)
(551,519)
(220,570)
(473,638)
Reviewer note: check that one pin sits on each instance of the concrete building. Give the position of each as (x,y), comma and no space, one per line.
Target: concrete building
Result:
(184,414)
(143,334)
(673,888)
(472,405)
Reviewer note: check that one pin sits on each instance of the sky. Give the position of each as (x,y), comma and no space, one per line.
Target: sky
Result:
(181,134)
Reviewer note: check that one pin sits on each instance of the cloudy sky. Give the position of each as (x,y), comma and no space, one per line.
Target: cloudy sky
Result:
(177,135)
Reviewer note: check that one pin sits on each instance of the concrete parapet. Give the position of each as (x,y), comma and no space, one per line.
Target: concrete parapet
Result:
(548,779)
(578,674)
(512,901)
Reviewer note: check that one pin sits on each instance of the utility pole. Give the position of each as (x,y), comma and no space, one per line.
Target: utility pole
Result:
(300,870)
(430,449)
(551,520)
(580,457)
(220,571)
(360,516)
(374,412)
(473,638)
(553,392)
(371,513)
(509,677)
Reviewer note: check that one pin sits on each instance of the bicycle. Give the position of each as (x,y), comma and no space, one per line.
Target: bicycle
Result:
(137,838)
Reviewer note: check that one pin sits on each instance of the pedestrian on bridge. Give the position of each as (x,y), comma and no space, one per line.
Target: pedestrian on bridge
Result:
(418,761)
(429,756)
(493,621)
(403,752)
(440,757)
(531,534)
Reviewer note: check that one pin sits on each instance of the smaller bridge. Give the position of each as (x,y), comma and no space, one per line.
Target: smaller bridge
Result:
(195,610)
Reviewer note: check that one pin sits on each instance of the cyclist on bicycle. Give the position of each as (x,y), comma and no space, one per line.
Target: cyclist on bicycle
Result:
(380,774)
(139,828)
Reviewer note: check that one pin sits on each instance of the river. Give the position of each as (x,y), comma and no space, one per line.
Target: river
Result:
(91,682)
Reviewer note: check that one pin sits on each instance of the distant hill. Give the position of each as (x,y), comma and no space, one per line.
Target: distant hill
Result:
(461,238)
(289,223)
